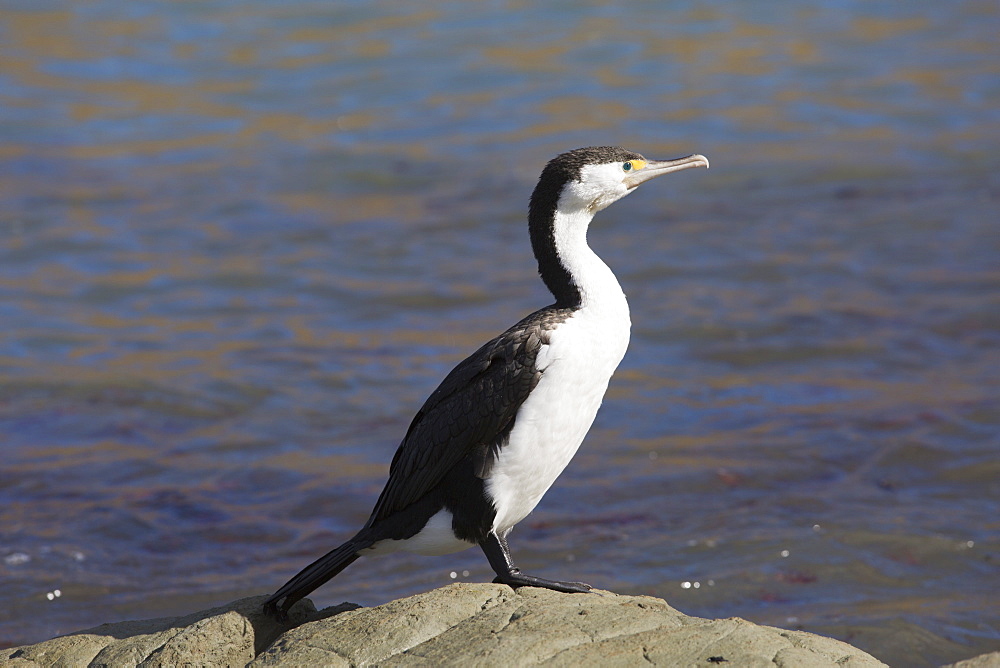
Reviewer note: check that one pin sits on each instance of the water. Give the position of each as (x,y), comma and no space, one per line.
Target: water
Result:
(241,242)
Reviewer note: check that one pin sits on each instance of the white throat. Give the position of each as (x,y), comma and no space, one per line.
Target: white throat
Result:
(598,286)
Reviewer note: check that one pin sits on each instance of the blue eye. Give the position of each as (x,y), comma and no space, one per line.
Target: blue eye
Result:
(627,166)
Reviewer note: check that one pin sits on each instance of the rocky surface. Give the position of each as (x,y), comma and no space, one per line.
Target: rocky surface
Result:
(467,624)
(991,660)
(229,635)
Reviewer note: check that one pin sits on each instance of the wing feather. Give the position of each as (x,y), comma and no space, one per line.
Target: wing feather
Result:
(470,413)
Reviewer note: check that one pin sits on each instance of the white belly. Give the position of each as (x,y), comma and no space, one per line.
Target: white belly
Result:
(436,538)
(578,363)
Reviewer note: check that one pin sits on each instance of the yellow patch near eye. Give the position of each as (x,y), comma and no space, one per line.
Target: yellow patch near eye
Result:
(638,164)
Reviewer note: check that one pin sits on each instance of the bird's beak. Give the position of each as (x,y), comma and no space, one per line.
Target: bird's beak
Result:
(656,168)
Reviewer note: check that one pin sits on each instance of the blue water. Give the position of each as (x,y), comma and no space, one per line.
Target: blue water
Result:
(241,242)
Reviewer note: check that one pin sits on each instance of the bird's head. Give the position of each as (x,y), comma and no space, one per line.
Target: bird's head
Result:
(590,179)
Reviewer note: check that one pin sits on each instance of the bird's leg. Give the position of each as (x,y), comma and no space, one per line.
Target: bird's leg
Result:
(498,554)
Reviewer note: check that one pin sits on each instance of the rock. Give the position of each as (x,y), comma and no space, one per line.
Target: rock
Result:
(489,624)
(230,635)
(991,660)
(469,624)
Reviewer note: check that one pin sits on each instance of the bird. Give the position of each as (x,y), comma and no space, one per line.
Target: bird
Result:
(506,421)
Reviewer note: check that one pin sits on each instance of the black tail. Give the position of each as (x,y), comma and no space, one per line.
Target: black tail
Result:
(314,575)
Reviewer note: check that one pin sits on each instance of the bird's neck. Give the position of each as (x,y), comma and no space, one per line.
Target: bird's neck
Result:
(575,275)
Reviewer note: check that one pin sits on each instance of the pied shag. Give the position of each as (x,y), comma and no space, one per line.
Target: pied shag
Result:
(502,426)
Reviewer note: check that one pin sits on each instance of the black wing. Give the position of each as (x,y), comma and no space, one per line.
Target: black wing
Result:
(470,412)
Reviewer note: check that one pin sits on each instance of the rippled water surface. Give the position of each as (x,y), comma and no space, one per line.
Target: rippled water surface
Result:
(240,242)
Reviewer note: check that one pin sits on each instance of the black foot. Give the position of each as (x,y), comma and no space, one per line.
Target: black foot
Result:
(496,550)
(517,579)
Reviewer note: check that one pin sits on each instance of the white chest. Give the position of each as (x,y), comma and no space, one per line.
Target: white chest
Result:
(578,363)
